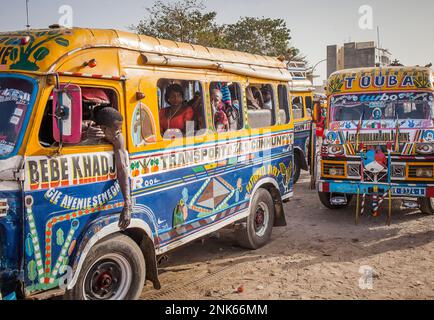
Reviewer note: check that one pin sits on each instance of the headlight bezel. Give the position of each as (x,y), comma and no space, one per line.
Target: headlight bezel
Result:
(335,149)
(425,148)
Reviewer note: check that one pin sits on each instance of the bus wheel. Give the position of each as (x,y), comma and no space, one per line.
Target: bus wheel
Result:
(113,270)
(259,222)
(325,199)
(296,167)
(426,205)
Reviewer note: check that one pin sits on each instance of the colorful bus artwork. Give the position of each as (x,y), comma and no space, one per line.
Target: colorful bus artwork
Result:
(223,158)
(379,137)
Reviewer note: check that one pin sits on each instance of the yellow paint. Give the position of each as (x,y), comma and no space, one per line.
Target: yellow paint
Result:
(407,168)
(324,162)
(395,79)
(118,54)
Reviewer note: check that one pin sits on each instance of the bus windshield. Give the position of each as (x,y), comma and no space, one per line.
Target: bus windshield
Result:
(382,106)
(15,98)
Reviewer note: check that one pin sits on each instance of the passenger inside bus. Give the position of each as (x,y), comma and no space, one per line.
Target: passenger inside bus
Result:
(93,100)
(268,97)
(177,113)
(225,100)
(260,104)
(297,107)
(221,122)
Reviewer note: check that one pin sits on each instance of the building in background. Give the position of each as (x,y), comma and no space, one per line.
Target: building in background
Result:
(356,55)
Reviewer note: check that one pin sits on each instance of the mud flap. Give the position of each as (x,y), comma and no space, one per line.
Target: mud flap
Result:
(279,213)
(148,250)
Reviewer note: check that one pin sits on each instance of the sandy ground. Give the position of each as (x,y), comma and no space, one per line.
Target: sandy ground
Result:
(320,254)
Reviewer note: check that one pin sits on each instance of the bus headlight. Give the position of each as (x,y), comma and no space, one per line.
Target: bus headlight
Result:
(335,149)
(424,173)
(336,172)
(424,148)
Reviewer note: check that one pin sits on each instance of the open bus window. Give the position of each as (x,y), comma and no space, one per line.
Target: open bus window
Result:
(93,100)
(143,126)
(297,107)
(260,105)
(225,101)
(282,93)
(181,109)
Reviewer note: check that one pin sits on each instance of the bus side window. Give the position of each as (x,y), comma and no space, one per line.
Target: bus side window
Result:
(225,101)
(309,105)
(181,108)
(93,100)
(260,104)
(282,93)
(297,107)
(143,130)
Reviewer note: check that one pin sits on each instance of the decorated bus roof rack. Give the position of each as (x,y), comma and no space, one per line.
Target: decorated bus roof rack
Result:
(299,72)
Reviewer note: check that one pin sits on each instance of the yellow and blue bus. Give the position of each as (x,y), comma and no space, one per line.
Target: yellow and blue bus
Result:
(302,99)
(60,200)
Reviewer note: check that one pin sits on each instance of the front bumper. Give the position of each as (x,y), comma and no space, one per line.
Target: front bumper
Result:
(419,190)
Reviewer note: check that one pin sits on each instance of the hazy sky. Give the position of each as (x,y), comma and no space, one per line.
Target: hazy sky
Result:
(405,26)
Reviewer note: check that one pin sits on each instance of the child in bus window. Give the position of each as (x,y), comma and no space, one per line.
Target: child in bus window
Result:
(221,121)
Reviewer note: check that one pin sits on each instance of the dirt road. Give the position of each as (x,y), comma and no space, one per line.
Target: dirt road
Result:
(320,254)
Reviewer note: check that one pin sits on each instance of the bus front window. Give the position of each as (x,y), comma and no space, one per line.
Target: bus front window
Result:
(15,97)
(365,107)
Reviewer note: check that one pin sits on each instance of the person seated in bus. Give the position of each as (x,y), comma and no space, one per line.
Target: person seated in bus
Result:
(253,98)
(268,99)
(109,121)
(221,121)
(179,112)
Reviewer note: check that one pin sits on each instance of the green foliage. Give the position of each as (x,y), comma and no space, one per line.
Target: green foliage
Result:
(182,20)
(264,36)
(187,21)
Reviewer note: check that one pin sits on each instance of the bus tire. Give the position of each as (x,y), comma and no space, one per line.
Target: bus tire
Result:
(426,205)
(324,197)
(259,222)
(114,269)
(297,167)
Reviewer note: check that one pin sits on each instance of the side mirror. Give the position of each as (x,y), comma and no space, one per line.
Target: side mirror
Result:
(67,114)
(316,114)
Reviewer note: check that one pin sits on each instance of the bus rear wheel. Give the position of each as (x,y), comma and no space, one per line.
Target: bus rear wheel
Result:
(259,222)
(325,198)
(426,205)
(113,270)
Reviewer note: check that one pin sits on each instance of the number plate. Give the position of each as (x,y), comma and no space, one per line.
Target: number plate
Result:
(408,191)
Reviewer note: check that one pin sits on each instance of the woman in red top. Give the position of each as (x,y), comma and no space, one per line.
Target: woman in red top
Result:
(178,113)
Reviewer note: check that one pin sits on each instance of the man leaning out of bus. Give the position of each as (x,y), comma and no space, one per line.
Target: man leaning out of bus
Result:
(110,121)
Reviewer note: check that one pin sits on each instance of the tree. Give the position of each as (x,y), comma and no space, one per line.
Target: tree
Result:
(187,21)
(263,36)
(183,20)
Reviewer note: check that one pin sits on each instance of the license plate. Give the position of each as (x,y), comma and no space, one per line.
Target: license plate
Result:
(408,191)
